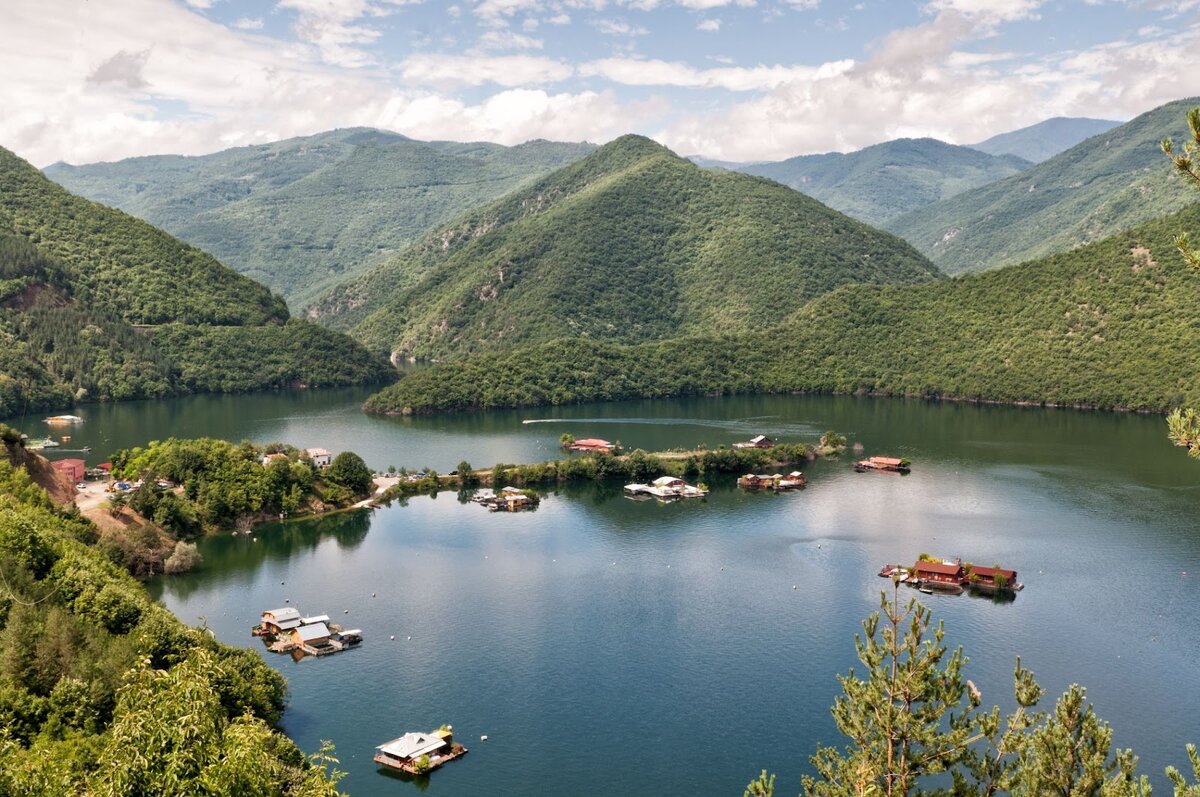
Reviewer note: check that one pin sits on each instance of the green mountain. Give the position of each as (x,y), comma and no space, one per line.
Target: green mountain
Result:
(1109,325)
(1044,140)
(884,181)
(97,305)
(632,243)
(304,214)
(1108,183)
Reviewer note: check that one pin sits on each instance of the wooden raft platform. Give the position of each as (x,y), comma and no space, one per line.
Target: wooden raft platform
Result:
(435,761)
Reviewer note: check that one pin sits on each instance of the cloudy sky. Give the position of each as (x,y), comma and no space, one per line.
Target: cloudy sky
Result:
(89,80)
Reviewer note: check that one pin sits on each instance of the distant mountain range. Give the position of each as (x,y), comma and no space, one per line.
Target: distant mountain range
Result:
(1105,184)
(1044,140)
(632,243)
(884,181)
(303,214)
(98,305)
(1108,325)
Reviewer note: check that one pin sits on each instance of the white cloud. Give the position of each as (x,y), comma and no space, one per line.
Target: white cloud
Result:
(649,72)
(505,39)
(559,19)
(618,27)
(709,25)
(994,10)
(334,26)
(202,4)
(471,70)
(246,23)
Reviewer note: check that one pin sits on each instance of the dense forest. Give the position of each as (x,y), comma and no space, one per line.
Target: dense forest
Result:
(629,244)
(1100,326)
(881,182)
(97,306)
(103,691)
(303,214)
(1103,185)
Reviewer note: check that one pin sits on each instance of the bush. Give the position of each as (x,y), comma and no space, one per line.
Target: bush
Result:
(350,471)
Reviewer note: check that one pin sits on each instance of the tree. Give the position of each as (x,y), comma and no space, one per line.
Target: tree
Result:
(1188,165)
(762,786)
(421,765)
(349,471)
(566,439)
(1183,426)
(183,559)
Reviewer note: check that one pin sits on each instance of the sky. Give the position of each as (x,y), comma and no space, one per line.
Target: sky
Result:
(742,80)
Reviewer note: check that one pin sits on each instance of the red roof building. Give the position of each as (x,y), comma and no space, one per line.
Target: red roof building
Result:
(940,572)
(73,469)
(592,444)
(987,576)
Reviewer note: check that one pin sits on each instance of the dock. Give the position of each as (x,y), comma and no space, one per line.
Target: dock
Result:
(777,481)
(891,464)
(952,576)
(285,631)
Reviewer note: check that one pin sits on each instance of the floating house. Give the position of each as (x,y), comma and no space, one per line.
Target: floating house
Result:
(73,469)
(63,420)
(775,481)
(761,441)
(510,499)
(312,639)
(993,578)
(278,621)
(665,488)
(939,573)
(894,464)
(319,456)
(592,444)
(418,753)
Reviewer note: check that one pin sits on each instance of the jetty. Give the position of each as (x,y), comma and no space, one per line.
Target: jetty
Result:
(954,577)
(777,482)
(285,630)
(893,464)
(665,488)
(420,753)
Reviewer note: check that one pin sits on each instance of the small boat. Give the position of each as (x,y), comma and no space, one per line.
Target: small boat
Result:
(928,590)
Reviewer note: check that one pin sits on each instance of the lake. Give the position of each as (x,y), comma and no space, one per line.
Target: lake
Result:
(607,646)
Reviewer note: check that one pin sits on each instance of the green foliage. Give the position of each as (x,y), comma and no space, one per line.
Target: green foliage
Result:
(1187,165)
(629,244)
(1100,187)
(421,765)
(302,214)
(97,306)
(886,180)
(104,692)
(349,470)
(762,786)
(1100,326)
(1046,139)
(223,483)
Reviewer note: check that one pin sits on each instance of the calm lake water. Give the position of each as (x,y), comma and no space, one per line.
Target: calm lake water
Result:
(613,647)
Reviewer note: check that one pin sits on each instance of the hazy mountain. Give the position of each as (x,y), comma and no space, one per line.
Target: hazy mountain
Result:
(886,180)
(1045,139)
(1108,183)
(303,214)
(632,243)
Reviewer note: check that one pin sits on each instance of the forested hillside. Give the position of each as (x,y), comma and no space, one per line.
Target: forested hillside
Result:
(1044,140)
(633,243)
(1107,325)
(97,305)
(884,181)
(303,214)
(1106,184)
(103,691)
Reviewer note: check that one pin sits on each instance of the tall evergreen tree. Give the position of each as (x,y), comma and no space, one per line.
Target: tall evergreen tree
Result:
(1183,425)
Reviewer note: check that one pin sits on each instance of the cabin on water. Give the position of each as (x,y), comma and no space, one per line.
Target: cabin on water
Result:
(592,444)
(894,464)
(417,753)
(939,572)
(760,441)
(992,578)
(311,638)
(277,621)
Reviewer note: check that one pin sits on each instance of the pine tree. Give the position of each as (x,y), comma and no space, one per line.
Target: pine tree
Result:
(1183,426)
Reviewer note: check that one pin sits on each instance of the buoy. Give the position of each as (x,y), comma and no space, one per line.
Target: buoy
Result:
(393,636)
(793,586)
(281,583)
(410,637)
(287,600)
(345,611)
(483,738)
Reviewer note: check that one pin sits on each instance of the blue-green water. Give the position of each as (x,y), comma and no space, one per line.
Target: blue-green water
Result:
(613,647)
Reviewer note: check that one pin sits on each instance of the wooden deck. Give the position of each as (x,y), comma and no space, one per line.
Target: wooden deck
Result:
(456,751)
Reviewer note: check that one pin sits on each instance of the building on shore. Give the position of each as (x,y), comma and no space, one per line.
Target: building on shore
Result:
(760,441)
(73,469)
(320,457)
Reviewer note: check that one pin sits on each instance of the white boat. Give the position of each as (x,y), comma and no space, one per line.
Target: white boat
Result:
(62,420)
